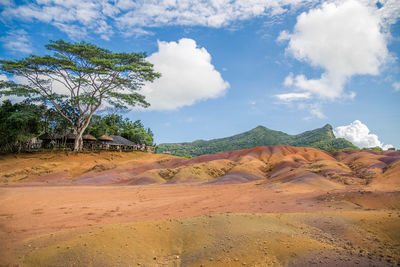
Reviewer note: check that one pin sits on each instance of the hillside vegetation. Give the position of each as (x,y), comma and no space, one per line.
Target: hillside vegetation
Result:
(321,138)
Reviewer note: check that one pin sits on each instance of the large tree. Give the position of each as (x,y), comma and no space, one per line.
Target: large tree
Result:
(77,79)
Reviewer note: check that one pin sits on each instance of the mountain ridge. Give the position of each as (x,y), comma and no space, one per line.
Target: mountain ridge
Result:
(322,138)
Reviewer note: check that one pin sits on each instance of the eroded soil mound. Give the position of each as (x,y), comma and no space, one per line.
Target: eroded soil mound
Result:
(282,166)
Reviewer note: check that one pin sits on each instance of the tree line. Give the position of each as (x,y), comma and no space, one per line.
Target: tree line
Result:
(21,123)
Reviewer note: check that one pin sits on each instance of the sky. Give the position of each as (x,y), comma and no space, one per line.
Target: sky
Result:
(229,66)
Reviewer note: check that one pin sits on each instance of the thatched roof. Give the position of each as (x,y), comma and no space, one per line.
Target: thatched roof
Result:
(45,136)
(89,137)
(105,138)
(70,136)
(119,140)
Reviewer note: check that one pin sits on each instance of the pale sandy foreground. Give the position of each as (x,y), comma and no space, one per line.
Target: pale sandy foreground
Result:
(299,219)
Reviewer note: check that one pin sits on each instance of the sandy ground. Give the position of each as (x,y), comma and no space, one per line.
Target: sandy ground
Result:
(46,226)
(291,217)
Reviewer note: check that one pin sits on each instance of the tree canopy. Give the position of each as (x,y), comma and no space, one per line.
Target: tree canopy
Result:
(114,124)
(77,79)
(19,123)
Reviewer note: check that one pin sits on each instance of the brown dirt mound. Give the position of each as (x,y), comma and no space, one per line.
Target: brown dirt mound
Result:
(270,163)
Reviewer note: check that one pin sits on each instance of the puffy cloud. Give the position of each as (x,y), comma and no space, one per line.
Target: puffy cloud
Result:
(359,134)
(187,76)
(17,41)
(344,38)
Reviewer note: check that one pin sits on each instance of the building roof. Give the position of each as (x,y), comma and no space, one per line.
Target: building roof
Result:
(105,137)
(89,137)
(119,140)
(70,136)
(45,136)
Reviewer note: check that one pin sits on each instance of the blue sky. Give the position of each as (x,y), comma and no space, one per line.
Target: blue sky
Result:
(229,66)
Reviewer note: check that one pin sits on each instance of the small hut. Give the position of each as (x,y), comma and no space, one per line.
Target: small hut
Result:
(70,136)
(120,143)
(89,141)
(47,139)
(45,136)
(105,138)
(89,138)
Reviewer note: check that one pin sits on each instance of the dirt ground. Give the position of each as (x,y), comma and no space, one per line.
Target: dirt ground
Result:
(306,218)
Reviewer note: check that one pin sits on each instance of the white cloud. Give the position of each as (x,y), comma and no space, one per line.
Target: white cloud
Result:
(73,31)
(17,41)
(187,76)
(75,18)
(6,2)
(344,38)
(102,17)
(214,13)
(396,86)
(293,96)
(359,134)
(315,110)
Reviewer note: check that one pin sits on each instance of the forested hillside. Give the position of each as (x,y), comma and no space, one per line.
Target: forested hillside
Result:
(321,138)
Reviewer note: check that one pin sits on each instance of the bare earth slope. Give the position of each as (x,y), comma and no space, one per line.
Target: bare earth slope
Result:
(284,165)
(265,206)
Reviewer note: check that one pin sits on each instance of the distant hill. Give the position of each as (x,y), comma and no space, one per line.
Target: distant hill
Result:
(321,138)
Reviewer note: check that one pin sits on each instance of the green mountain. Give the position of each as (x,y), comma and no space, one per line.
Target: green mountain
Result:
(321,138)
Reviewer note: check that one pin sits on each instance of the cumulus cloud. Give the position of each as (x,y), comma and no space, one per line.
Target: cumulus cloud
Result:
(187,73)
(17,41)
(359,134)
(344,38)
(103,17)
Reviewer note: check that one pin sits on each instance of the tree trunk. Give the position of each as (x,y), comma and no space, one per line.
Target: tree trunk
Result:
(78,142)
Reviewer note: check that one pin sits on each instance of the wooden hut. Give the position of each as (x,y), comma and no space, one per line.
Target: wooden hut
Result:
(89,141)
(48,140)
(121,143)
(89,138)
(104,140)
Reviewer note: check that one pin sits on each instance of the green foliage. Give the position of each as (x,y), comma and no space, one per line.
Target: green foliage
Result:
(321,138)
(114,124)
(19,123)
(181,155)
(377,148)
(90,75)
